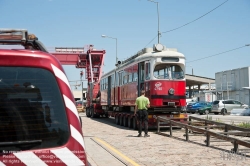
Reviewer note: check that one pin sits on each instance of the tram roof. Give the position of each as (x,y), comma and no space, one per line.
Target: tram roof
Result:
(146,53)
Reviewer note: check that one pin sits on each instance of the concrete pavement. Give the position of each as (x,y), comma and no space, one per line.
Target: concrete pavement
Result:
(108,144)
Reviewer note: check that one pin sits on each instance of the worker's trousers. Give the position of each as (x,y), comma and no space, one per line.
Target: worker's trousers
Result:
(142,119)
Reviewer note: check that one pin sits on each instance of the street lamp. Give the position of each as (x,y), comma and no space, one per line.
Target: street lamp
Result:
(158,19)
(104,36)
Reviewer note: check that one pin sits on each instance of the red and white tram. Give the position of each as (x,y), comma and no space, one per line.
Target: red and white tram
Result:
(159,71)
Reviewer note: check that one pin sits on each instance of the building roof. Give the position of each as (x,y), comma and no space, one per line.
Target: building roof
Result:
(192,80)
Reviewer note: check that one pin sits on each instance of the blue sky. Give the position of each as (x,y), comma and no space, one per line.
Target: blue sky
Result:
(77,23)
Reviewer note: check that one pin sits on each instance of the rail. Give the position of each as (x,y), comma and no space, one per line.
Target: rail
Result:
(207,124)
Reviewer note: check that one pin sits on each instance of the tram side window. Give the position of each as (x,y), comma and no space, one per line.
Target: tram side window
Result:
(130,77)
(142,73)
(125,77)
(106,83)
(120,77)
(135,76)
(112,81)
(135,72)
(147,71)
(117,80)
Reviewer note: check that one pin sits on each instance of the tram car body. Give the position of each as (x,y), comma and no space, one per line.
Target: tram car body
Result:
(159,71)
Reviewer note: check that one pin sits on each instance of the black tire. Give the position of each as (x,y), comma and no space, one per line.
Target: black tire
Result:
(106,115)
(120,120)
(117,119)
(92,115)
(200,113)
(130,122)
(80,120)
(207,111)
(87,112)
(125,121)
(223,111)
(134,123)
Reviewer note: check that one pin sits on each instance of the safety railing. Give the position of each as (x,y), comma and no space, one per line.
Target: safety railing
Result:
(191,125)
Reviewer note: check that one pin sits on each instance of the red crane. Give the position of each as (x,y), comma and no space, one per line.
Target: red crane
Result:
(92,61)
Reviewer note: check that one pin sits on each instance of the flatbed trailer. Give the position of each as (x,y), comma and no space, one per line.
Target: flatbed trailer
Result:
(130,120)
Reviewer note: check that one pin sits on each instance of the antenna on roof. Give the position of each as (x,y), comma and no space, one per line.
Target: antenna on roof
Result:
(158,19)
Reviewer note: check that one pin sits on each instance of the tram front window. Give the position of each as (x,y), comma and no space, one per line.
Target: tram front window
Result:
(166,71)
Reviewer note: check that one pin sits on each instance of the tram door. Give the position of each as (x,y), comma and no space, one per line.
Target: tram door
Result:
(141,75)
(109,90)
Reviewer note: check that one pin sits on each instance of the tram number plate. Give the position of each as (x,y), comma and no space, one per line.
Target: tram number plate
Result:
(171,103)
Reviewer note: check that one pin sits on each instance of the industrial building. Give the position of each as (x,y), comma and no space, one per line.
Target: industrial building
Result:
(233,84)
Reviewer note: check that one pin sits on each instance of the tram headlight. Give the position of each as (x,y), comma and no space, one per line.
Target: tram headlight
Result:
(158,47)
(171,91)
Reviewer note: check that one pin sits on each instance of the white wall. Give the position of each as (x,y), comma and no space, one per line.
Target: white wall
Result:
(77,94)
(207,96)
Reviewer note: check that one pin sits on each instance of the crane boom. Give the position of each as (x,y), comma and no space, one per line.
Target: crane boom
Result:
(92,61)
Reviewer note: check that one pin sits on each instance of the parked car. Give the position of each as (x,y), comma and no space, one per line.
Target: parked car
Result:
(225,106)
(241,112)
(194,107)
(205,109)
(191,102)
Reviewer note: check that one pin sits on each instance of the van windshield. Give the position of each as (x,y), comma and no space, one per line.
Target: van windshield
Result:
(31,109)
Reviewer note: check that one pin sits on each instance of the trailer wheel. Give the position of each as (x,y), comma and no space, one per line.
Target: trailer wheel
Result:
(117,119)
(134,123)
(80,120)
(120,120)
(92,115)
(106,115)
(87,112)
(125,121)
(130,122)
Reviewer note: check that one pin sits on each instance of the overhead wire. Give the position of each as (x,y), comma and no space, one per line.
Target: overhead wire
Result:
(190,21)
(151,41)
(217,54)
(196,18)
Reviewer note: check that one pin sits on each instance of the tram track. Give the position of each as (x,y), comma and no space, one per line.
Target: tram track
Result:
(124,160)
(109,151)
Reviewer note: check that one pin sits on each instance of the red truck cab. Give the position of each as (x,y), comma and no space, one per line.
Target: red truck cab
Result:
(39,122)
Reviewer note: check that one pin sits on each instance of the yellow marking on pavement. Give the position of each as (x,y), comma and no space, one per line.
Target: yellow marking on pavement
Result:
(116,151)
